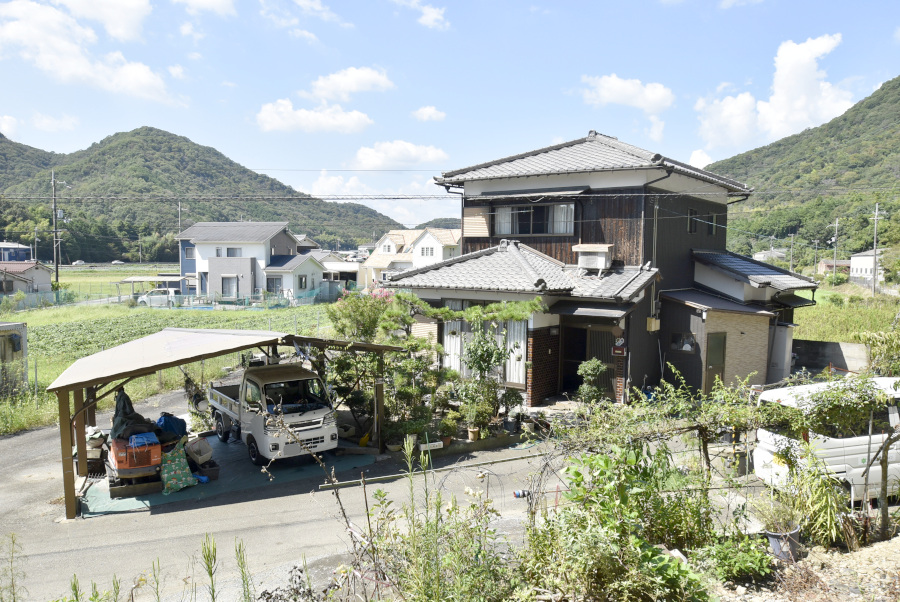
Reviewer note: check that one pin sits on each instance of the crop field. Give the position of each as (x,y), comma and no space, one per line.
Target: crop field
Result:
(837,317)
(59,336)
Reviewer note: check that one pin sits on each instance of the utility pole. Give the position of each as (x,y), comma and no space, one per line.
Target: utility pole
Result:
(816,256)
(875,251)
(792,253)
(55,241)
(35,243)
(179,215)
(834,267)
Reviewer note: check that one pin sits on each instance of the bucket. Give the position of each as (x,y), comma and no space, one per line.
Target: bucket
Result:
(785,546)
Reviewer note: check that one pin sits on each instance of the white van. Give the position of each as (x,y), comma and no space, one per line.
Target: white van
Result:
(845,453)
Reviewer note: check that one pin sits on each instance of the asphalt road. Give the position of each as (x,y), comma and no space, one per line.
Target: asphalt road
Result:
(279,526)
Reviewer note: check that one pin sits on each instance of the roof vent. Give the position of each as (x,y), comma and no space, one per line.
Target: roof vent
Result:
(593,257)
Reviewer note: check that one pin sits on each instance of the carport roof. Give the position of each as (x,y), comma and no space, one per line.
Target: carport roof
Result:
(164,349)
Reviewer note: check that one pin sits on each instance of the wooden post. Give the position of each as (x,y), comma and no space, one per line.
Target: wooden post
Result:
(79,433)
(91,395)
(65,442)
(379,402)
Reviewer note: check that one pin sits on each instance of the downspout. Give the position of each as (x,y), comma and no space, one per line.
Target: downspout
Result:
(654,312)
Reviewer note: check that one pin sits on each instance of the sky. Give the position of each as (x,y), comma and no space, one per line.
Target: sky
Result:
(368,100)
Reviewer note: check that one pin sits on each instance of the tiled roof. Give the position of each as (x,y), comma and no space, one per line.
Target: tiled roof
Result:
(403,238)
(593,153)
(384,260)
(288,263)
(18,267)
(757,273)
(619,284)
(701,300)
(449,237)
(514,267)
(232,231)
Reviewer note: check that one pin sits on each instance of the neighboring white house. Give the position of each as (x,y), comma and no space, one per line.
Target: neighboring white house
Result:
(862,266)
(401,250)
(237,259)
(25,276)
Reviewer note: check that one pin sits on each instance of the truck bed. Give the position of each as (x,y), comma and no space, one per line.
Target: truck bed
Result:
(231,391)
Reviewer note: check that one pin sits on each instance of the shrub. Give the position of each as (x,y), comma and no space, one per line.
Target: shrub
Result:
(735,559)
(835,300)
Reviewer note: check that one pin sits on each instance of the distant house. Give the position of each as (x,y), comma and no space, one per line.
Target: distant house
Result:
(827,266)
(25,276)
(401,250)
(771,255)
(627,249)
(862,267)
(13,251)
(232,260)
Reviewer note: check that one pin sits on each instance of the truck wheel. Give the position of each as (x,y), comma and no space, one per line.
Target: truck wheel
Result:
(223,431)
(253,450)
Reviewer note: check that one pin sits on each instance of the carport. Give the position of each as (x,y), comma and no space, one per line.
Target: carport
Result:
(91,378)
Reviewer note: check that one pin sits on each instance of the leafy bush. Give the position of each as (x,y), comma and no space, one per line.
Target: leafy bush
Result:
(836,279)
(591,370)
(735,559)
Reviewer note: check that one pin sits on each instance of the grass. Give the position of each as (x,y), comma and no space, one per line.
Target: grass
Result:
(105,279)
(59,336)
(842,312)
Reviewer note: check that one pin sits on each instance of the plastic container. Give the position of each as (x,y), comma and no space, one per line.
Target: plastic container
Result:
(199,450)
(210,470)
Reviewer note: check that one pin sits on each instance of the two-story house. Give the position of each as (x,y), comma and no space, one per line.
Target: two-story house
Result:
(401,250)
(232,260)
(626,248)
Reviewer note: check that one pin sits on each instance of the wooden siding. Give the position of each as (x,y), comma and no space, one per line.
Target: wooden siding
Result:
(476,221)
(614,218)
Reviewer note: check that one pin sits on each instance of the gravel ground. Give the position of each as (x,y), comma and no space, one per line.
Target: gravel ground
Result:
(871,574)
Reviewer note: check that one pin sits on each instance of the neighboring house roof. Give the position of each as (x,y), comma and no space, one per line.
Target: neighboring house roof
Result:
(12,245)
(383,261)
(756,273)
(705,301)
(20,267)
(233,232)
(770,254)
(449,237)
(840,262)
(514,267)
(289,263)
(593,153)
(323,255)
(403,238)
(340,266)
(868,253)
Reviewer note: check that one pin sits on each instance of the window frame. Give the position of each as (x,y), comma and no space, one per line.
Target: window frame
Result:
(692,221)
(190,252)
(549,219)
(234,252)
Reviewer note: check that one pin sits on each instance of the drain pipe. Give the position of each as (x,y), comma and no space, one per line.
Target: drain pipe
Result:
(653,311)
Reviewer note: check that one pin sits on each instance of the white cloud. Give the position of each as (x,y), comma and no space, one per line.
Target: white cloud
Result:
(282,116)
(897,35)
(800,98)
(327,185)
(651,98)
(655,131)
(46,123)
(176,71)
(399,153)
(430,16)
(429,113)
(315,8)
(8,125)
(304,35)
(122,19)
(699,159)
(56,44)
(195,56)
(732,3)
(187,30)
(340,85)
(220,7)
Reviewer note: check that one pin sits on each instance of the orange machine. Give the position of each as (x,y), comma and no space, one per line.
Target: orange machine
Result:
(132,462)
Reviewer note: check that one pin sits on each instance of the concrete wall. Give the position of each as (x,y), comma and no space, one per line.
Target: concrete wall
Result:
(816,355)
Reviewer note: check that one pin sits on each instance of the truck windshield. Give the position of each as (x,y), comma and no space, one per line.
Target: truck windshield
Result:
(296,396)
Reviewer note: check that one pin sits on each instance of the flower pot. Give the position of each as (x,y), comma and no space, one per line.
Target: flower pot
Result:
(446,440)
(474,433)
(785,546)
(511,426)
(528,426)
(393,447)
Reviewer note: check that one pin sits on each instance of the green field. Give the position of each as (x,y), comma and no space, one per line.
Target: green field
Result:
(839,322)
(59,336)
(91,281)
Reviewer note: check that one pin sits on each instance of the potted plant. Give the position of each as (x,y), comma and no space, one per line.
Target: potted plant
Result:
(511,399)
(393,436)
(447,429)
(478,415)
(781,517)
(413,428)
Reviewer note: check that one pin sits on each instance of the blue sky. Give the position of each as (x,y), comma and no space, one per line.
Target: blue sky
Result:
(344,98)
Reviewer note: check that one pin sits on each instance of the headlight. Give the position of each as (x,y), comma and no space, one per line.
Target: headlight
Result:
(270,423)
(329,419)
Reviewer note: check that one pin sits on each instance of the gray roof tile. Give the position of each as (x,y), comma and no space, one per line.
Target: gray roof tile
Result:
(595,152)
(287,263)
(232,231)
(755,272)
(620,284)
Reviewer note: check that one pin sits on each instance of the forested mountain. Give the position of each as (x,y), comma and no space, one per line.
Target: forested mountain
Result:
(129,186)
(804,182)
(442,222)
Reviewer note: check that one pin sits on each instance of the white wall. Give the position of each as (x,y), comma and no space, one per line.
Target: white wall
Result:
(426,241)
(260,251)
(727,285)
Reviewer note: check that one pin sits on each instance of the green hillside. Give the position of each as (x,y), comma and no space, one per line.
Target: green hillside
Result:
(441,222)
(129,185)
(805,181)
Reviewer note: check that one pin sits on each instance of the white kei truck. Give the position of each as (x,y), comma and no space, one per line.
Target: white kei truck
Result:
(278,411)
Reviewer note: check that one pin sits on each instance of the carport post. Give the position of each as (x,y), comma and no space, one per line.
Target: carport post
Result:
(79,432)
(90,398)
(379,402)
(65,442)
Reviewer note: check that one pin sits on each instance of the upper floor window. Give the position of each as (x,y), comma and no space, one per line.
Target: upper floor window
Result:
(712,223)
(427,251)
(386,248)
(189,252)
(692,221)
(535,219)
(233,252)
(218,251)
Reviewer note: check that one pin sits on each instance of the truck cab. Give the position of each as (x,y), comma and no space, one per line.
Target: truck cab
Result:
(278,411)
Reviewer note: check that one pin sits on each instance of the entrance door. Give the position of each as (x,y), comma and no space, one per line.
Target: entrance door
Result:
(715,359)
